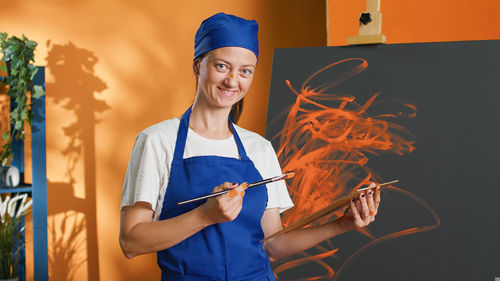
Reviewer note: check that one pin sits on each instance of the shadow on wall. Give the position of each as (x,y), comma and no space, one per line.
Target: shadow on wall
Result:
(73,224)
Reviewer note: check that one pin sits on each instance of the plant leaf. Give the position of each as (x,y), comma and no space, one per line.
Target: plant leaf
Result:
(31,44)
(18,125)
(14,114)
(38,91)
(33,70)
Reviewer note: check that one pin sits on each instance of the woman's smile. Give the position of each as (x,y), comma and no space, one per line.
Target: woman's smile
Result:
(227,92)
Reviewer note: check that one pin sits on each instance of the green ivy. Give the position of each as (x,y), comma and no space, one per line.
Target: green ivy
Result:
(18,54)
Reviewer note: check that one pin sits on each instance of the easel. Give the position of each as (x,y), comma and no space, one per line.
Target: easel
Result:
(370,26)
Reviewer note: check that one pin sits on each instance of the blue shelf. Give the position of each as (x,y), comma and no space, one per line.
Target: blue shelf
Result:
(23,188)
(38,188)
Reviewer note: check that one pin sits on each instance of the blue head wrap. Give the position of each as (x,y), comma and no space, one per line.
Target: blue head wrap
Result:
(222,30)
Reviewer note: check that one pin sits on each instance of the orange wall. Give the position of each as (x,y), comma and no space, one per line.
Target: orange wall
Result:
(113,68)
(116,67)
(419,21)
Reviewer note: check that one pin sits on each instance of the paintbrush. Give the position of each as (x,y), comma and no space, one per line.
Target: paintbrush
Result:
(335,205)
(285,176)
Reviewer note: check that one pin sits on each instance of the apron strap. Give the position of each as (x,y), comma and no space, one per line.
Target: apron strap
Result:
(241,149)
(180,143)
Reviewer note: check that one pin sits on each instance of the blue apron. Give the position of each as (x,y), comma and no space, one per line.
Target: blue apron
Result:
(223,251)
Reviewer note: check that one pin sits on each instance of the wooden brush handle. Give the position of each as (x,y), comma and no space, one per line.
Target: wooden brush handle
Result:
(335,205)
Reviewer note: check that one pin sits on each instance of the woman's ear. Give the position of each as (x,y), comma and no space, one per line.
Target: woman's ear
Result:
(196,67)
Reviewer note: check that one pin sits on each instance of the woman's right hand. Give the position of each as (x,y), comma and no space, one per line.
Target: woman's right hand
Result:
(225,207)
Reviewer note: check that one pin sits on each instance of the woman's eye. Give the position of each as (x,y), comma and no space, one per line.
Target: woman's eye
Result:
(221,66)
(246,72)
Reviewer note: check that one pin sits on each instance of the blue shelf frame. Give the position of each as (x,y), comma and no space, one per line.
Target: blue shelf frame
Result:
(18,189)
(38,188)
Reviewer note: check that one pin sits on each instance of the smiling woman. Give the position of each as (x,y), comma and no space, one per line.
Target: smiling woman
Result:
(203,152)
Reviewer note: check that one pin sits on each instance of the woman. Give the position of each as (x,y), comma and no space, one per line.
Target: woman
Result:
(175,160)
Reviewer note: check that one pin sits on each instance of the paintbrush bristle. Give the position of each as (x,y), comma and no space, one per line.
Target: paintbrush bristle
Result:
(290,175)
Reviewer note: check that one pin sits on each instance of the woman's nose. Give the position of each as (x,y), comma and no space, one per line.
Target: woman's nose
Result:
(231,79)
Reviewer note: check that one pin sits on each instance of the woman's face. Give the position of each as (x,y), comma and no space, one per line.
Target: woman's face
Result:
(225,75)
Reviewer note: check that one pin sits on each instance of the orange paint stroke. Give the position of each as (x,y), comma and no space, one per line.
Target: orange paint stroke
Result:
(327,140)
(316,258)
(404,232)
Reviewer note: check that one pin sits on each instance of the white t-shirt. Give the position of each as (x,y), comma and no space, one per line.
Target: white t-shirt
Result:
(151,158)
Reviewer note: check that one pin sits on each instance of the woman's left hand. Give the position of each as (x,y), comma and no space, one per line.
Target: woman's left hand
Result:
(362,210)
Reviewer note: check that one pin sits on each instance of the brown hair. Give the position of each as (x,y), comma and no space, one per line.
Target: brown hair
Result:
(236,109)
